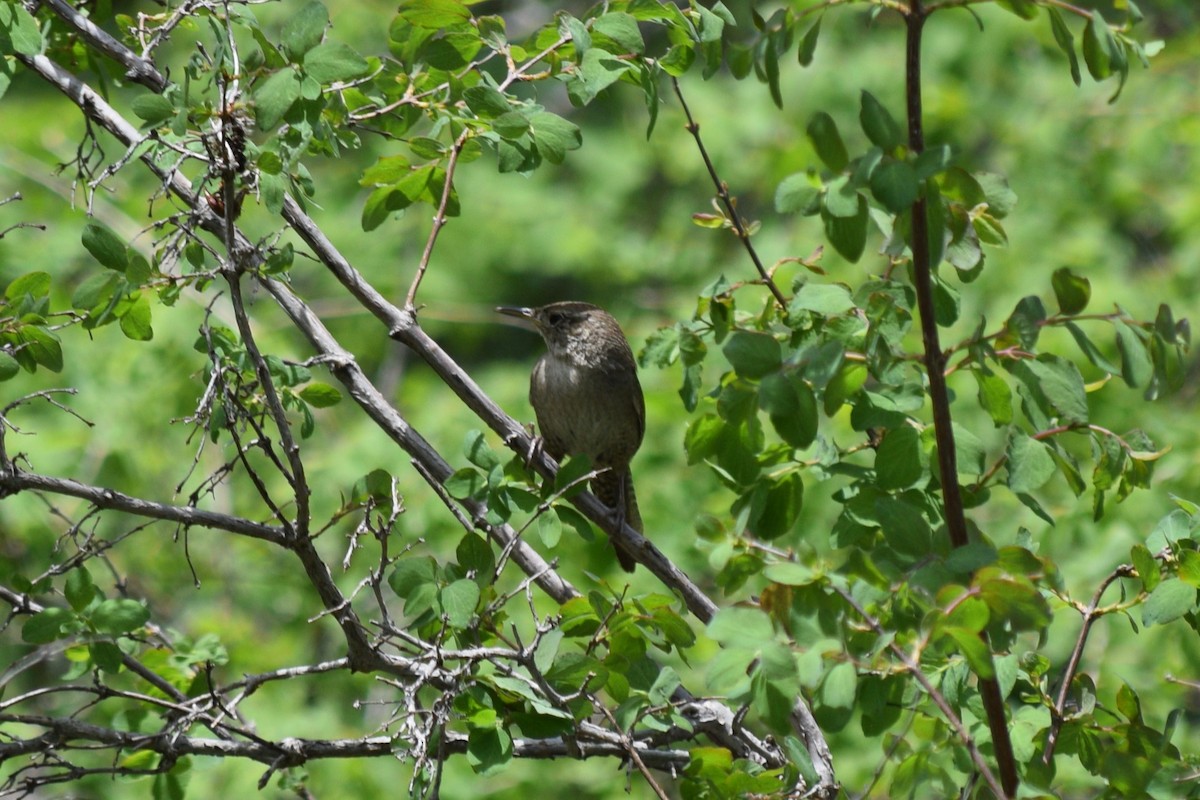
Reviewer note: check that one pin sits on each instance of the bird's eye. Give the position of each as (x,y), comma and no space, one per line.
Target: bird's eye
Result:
(555,318)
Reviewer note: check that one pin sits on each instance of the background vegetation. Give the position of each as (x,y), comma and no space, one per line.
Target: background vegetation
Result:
(1105,188)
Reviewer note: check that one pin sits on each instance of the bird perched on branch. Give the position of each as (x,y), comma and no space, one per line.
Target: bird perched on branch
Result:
(588,401)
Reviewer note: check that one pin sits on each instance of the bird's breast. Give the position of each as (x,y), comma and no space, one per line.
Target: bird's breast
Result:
(580,411)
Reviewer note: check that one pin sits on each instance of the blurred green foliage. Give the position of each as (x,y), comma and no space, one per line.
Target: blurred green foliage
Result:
(1106,189)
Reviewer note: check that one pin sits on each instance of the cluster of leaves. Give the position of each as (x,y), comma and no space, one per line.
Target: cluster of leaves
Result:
(19,33)
(595,642)
(829,385)
(834,350)
(833,385)
(242,396)
(102,631)
(1106,49)
(27,338)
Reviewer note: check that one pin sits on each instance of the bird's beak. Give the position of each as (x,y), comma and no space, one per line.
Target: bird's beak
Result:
(520,312)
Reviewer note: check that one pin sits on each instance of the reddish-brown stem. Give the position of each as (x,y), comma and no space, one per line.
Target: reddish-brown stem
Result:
(935,364)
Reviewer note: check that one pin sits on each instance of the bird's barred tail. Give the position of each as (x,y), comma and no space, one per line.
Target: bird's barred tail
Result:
(615,490)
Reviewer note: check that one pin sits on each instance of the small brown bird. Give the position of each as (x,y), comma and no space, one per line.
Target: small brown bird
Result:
(588,401)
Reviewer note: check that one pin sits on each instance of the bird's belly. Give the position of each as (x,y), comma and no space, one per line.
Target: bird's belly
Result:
(581,417)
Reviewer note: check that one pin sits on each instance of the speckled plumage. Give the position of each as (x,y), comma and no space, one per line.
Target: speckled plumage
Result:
(587,399)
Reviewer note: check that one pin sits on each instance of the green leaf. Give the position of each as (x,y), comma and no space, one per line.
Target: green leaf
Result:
(823,133)
(1189,568)
(1029,463)
(105,246)
(79,589)
(579,522)
(138,271)
(571,471)
(841,197)
(119,616)
(894,184)
(935,223)
(796,193)
(451,50)
(970,452)
(486,101)
(792,407)
(21,29)
(479,452)
(434,14)
(789,573)
(1014,600)
(904,526)
(32,288)
(840,686)
(1057,385)
(107,656)
(900,460)
(596,72)
(808,43)
(1072,291)
(775,505)
(979,658)
(488,750)
(40,347)
(995,397)
(304,29)
(679,59)
(578,32)
(1170,600)
(275,96)
(1097,53)
(135,322)
(848,235)
(741,628)
(1146,566)
(380,204)
(711,24)
(426,148)
(1169,530)
(1001,199)
(554,136)
(549,528)
(334,61)
(770,69)
(753,355)
(9,366)
(879,125)
(1091,351)
(410,574)
(465,483)
(47,625)
(1065,40)
(622,29)
(154,109)
(845,383)
(821,298)
(1025,9)
(458,602)
(320,395)
(1136,366)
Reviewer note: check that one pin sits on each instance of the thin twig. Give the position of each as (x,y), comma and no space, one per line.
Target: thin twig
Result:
(633,753)
(727,201)
(1090,614)
(439,218)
